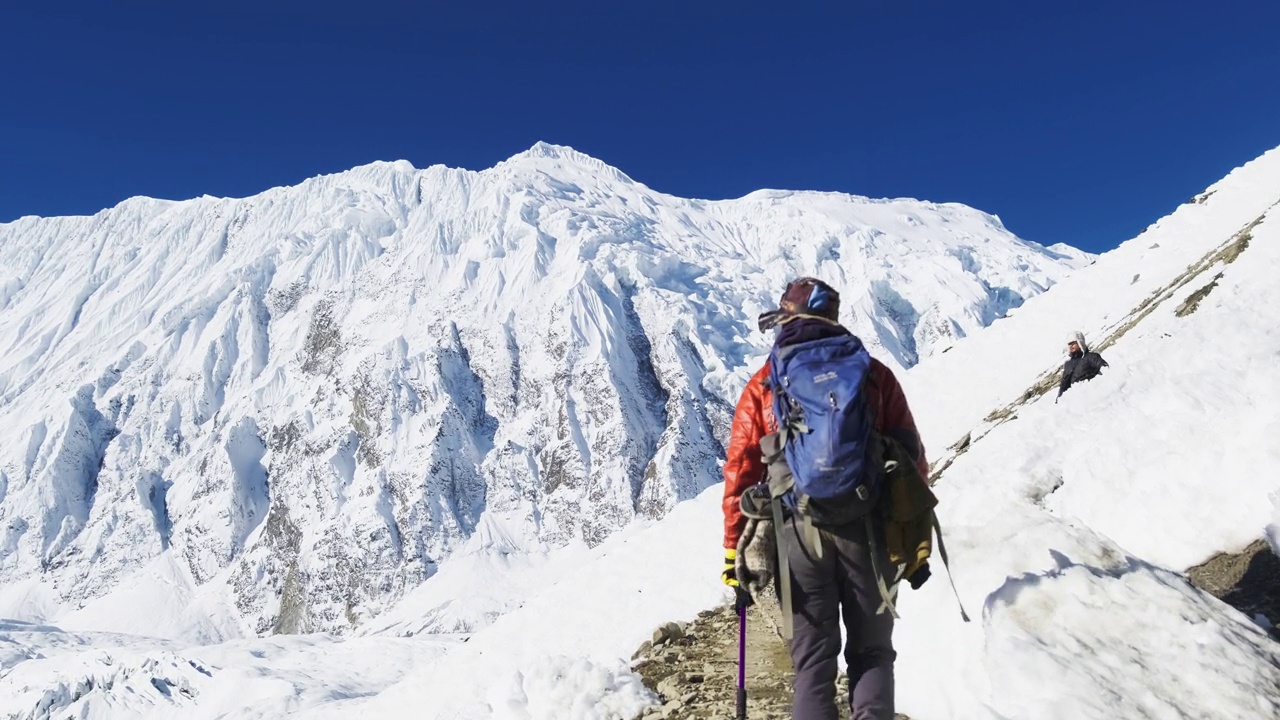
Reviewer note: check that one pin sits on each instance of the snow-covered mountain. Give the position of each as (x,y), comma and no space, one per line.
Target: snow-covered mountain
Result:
(284,413)
(1069,526)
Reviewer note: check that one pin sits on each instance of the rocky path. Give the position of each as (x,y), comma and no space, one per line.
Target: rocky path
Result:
(694,667)
(1248,580)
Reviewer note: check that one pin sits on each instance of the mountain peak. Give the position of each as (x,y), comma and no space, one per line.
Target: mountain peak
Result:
(563,155)
(551,150)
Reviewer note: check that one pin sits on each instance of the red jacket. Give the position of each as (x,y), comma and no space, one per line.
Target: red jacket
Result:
(753,419)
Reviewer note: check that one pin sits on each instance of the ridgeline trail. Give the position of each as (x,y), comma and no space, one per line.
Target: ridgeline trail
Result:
(694,667)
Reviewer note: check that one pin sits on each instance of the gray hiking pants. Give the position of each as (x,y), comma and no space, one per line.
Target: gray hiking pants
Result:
(840,585)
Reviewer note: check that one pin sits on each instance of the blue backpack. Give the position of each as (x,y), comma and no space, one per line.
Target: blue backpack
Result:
(825,429)
(826,462)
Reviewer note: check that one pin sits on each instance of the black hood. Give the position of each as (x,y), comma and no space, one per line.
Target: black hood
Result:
(805,329)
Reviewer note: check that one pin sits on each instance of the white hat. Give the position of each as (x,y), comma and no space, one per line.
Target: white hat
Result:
(1078,338)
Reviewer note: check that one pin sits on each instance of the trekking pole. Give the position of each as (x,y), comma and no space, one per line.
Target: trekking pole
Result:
(742,663)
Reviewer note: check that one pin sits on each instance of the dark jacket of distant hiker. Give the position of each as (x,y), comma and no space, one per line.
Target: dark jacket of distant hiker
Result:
(1082,365)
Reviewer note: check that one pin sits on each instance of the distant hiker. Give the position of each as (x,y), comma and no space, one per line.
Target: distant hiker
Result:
(1081,365)
(835,553)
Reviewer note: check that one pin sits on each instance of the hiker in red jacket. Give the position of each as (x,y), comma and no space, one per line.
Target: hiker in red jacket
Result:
(840,583)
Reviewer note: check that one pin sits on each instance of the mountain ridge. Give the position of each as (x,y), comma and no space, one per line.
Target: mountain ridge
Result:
(311,398)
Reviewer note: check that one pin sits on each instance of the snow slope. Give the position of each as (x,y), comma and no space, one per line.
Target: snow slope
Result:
(1070,523)
(285,413)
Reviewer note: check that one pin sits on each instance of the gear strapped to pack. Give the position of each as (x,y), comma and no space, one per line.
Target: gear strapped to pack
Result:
(781,487)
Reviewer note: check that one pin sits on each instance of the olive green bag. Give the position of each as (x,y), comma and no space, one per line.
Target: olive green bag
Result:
(910,518)
(908,511)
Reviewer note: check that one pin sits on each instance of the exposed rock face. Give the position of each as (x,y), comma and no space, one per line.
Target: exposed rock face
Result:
(1248,581)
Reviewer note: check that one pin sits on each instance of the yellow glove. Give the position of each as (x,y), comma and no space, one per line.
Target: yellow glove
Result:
(729,576)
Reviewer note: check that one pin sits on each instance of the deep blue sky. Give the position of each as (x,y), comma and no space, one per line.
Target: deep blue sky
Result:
(1078,122)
